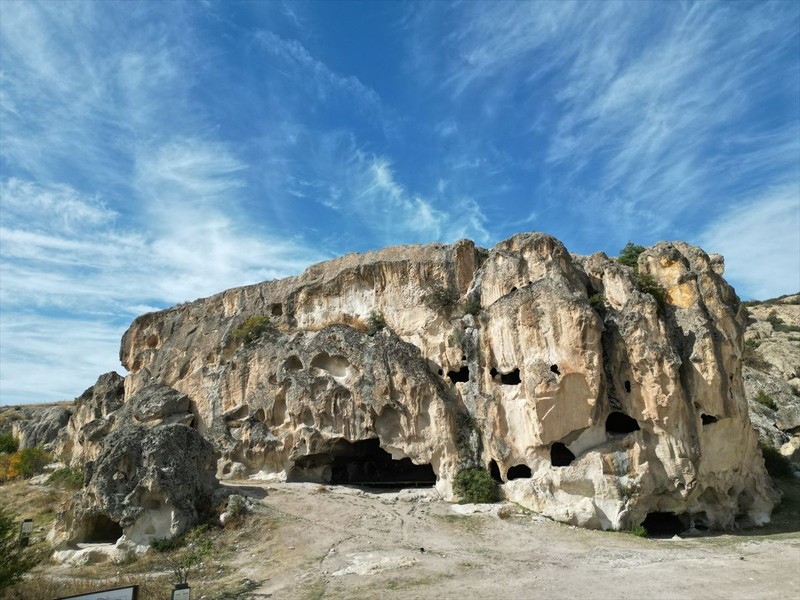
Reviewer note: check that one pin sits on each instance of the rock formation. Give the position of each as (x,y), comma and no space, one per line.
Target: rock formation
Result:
(148,482)
(600,396)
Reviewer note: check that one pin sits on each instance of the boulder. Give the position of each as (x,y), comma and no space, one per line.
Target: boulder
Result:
(147,483)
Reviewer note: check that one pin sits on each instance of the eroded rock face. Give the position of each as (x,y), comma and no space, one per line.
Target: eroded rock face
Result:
(595,402)
(147,482)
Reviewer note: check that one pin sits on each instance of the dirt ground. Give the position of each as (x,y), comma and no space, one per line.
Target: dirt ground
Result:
(306,541)
(345,543)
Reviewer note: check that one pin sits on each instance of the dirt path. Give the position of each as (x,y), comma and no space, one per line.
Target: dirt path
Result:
(344,543)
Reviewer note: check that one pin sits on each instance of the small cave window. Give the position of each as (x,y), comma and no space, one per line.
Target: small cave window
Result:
(513,289)
(100,529)
(494,471)
(520,472)
(628,386)
(510,378)
(464,357)
(618,422)
(276,310)
(708,419)
(441,372)
(554,369)
(660,524)
(493,373)
(560,455)
(460,376)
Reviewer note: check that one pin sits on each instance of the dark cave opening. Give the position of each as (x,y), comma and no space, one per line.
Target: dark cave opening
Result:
(494,471)
(276,310)
(460,376)
(618,422)
(660,524)
(493,373)
(554,369)
(628,386)
(520,472)
(100,529)
(362,463)
(708,419)
(510,378)
(560,455)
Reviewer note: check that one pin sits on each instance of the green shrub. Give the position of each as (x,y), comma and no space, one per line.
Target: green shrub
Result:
(30,461)
(779,324)
(473,305)
(637,530)
(598,303)
(376,323)
(65,477)
(8,443)
(648,285)
(766,400)
(440,297)
(629,255)
(16,561)
(752,357)
(777,464)
(252,329)
(476,486)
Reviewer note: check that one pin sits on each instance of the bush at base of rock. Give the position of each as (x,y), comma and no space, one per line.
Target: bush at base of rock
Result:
(476,486)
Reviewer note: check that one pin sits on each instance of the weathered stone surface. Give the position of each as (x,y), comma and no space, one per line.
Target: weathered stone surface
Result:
(40,428)
(158,401)
(642,402)
(147,482)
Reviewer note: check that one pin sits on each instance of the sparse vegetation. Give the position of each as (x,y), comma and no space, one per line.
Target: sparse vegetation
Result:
(648,285)
(8,443)
(476,486)
(441,297)
(779,324)
(598,303)
(186,552)
(765,400)
(629,255)
(472,306)
(777,464)
(752,357)
(16,560)
(252,329)
(67,478)
(376,323)
(23,464)
(637,530)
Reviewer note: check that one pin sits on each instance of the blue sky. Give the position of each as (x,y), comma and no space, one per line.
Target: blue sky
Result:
(156,152)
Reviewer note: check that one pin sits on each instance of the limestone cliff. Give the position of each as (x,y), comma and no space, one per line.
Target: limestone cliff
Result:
(598,395)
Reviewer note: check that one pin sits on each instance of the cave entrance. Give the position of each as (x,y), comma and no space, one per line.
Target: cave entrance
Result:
(560,455)
(618,422)
(665,524)
(460,376)
(100,529)
(494,471)
(519,472)
(362,463)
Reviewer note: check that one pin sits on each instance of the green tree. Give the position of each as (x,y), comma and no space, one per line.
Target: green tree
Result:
(16,561)
(30,461)
(476,485)
(629,255)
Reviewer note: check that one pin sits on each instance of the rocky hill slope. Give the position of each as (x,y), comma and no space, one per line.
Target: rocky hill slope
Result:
(596,393)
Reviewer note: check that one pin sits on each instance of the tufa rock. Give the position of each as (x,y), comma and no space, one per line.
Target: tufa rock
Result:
(147,483)
(597,395)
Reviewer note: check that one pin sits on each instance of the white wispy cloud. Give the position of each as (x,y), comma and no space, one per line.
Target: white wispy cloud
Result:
(761,243)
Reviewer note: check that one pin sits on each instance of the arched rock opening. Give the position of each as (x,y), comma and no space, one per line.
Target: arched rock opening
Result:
(560,455)
(554,369)
(494,471)
(665,524)
(461,376)
(618,422)
(708,419)
(361,463)
(520,472)
(510,378)
(100,529)
(628,386)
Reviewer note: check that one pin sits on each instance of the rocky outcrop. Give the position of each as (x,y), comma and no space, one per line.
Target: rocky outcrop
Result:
(599,396)
(147,482)
(772,373)
(40,427)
